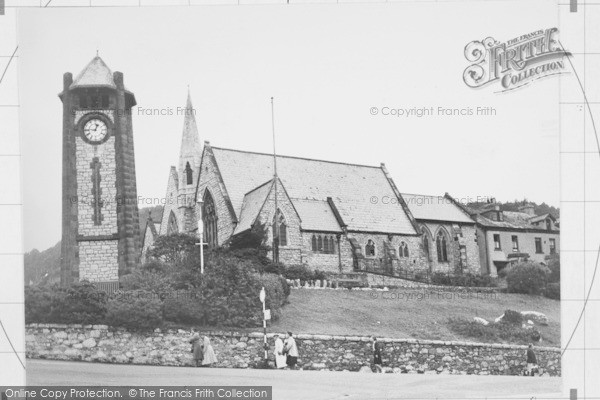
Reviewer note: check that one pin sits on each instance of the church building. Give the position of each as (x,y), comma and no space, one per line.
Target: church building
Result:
(331,216)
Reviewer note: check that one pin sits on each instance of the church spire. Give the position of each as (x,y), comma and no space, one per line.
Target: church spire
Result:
(190,152)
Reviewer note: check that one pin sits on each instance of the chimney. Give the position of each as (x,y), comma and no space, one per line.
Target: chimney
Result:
(527,209)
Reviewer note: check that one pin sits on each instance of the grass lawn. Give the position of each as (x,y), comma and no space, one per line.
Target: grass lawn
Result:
(393,314)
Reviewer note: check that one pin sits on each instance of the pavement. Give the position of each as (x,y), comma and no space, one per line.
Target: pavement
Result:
(292,385)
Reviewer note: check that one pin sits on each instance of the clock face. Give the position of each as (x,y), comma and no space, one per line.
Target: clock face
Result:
(95,130)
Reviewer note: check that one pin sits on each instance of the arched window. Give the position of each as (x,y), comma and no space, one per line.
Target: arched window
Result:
(326,244)
(282,229)
(189,174)
(209,219)
(370,248)
(314,243)
(320,243)
(441,242)
(332,245)
(426,237)
(403,251)
(172,224)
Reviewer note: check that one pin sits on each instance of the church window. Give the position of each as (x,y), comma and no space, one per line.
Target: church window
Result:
(209,218)
(442,246)
(172,226)
(326,245)
(426,242)
(189,174)
(314,243)
(323,244)
(320,243)
(282,232)
(403,250)
(96,191)
(370,248)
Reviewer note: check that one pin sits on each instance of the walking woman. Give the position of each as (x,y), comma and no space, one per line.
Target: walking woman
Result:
(197,350)
(209,356)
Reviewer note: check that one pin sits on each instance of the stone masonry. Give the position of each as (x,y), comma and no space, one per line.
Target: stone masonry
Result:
(100,343)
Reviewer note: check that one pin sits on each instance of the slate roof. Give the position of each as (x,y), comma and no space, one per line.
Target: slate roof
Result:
(96,73)
(316,215)
(251,206)
(351,187)
(511,220)
(435,208)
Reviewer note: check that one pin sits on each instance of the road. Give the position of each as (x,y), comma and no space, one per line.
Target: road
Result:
(292,385)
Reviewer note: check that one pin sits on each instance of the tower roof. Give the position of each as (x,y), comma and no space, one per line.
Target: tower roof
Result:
(191,149)
(96,73)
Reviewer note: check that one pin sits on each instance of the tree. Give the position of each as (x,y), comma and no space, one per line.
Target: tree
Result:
(174,248)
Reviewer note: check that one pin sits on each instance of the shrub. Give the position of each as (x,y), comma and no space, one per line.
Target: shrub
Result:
(554,266)
(301,272)
(80,303)
(527,277)
(512,317)
(504,271)
(185,310)
(142,311)
(277,291)
(174,248)
(494,332)
(553,291)
(467,280)
(151,277)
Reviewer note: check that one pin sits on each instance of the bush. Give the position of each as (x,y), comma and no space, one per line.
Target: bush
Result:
(139,312)
(512,317)
(553,291)
(494,332)
(186,310)
(528,278)
(554,266)
(277,291)
(466,280)
(504,271)
(303,273)
(152,277)
(80,303)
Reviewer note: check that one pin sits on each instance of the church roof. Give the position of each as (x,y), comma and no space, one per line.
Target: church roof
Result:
(251,206)
(96,73)
(352,187)
(435,208)
(316,215)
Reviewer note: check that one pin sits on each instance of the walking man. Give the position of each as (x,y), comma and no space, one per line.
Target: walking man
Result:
(377,354)
(531,361)
(291,349)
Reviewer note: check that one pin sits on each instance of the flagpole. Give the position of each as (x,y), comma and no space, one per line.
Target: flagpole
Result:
(276,223)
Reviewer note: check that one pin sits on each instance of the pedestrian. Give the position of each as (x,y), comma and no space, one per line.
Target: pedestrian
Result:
(531,361)
(291,350)
(197,351)
(280,357)
(376,346)
(208,356)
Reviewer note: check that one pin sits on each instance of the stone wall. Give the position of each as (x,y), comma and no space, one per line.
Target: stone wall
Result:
(99,343)
(99,260)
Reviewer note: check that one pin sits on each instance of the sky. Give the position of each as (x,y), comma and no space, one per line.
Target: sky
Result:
(327,66)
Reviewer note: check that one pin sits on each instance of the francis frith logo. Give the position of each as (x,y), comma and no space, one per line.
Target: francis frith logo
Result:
(516,62)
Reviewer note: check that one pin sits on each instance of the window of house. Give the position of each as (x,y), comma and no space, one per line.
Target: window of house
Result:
(538,245)
(515,243)
(548,224)
(370,248)
(441,242)
(403,251)
(497,245)
(552,246)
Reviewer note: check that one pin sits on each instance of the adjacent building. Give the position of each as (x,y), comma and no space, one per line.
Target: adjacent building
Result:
(507,237)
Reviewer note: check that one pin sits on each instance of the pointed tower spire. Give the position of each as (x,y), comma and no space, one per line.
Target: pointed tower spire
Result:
(190,152)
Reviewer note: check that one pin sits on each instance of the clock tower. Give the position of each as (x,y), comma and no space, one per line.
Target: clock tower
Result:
(100,218)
